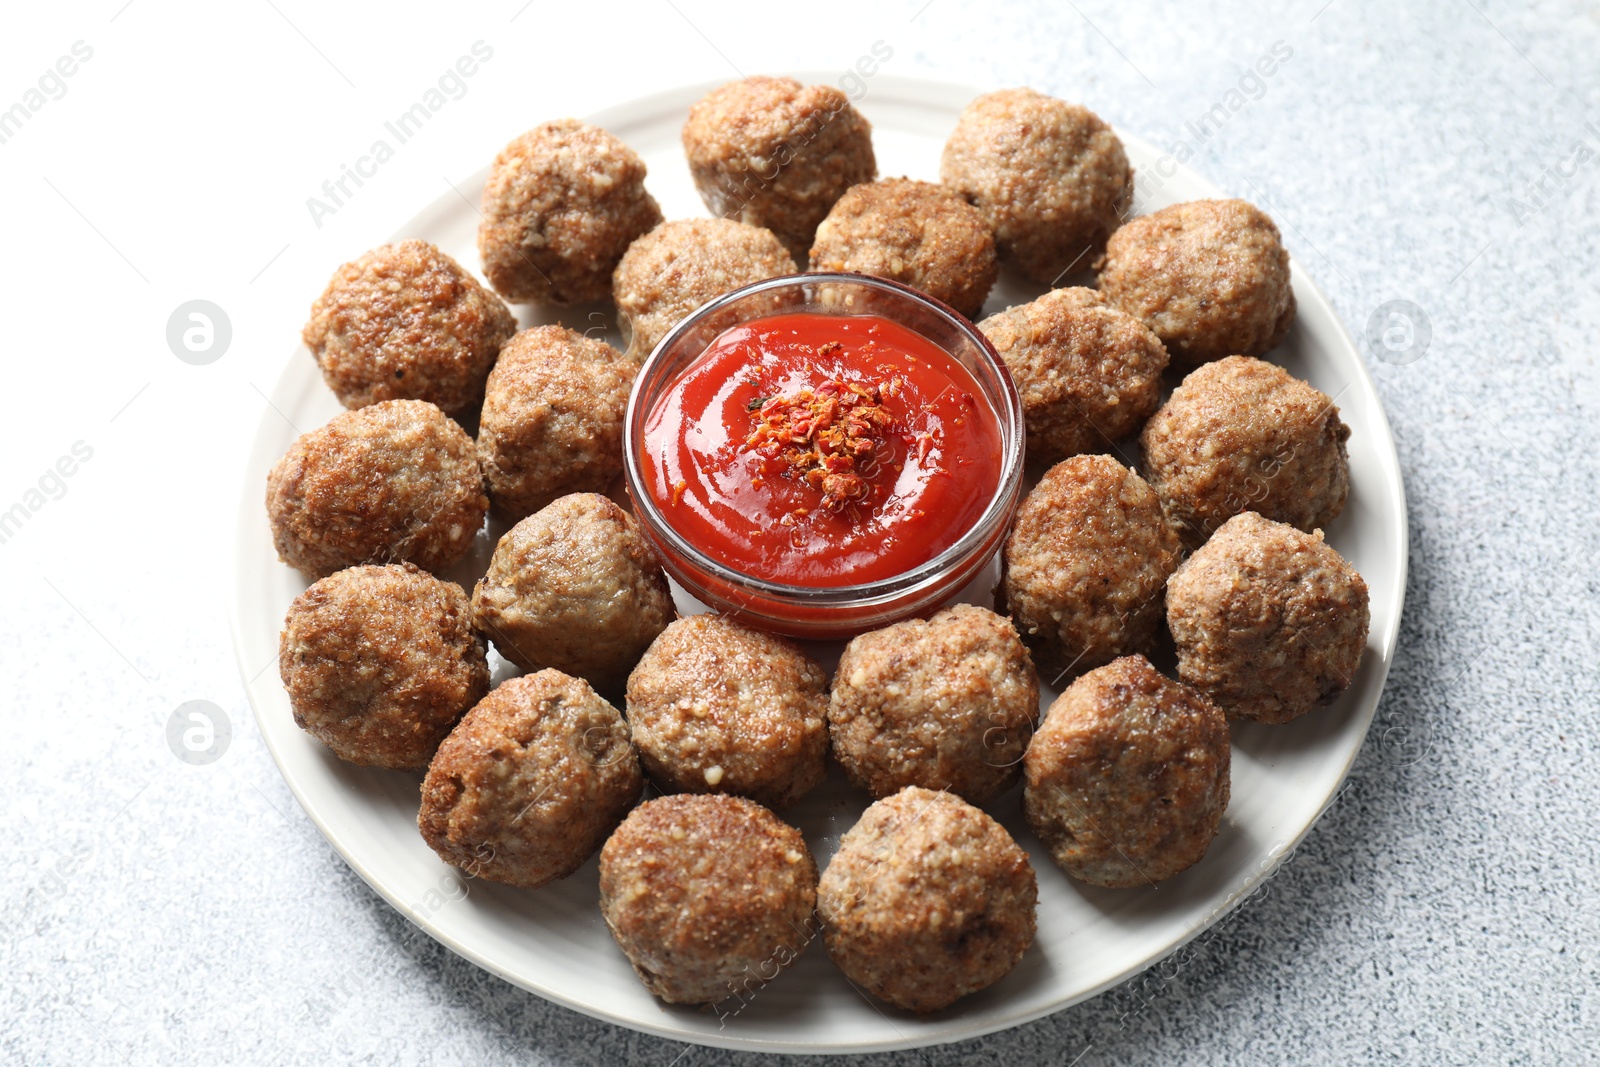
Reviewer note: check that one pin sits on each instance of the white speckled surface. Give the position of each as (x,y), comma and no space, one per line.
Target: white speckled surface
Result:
(152,911)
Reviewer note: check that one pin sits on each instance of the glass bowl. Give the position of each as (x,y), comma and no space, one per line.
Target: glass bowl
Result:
(828,612)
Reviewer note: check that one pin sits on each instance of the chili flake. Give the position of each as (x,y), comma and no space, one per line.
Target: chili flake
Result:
(827,437)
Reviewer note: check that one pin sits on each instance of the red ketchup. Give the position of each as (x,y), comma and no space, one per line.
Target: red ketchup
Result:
(822,450)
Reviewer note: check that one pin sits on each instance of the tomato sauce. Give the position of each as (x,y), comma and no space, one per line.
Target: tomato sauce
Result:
(822,450)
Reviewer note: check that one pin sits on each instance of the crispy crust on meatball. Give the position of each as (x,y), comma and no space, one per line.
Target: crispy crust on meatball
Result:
(916,233)
(1210,277)
(562,204)
(709,897)
(574,586)
(718,707)
(946,703)
(1243,434)
(1050,177)
(1128,776)
(679,265)
(774,153)
(395,481)
(1085,564)
(928,899)
(406,322)
(1088,373)
(552,419)
(530,783)
(380,662)
(1269,622)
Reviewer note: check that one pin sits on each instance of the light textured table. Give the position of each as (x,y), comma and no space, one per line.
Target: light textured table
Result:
(1444,910)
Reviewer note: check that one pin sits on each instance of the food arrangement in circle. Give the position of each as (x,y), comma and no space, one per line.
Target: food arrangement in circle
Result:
(822,443)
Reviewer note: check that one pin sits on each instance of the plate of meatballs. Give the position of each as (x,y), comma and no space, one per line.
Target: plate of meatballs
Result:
(497,706)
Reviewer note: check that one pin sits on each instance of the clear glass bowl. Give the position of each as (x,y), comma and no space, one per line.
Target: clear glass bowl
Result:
(828,611)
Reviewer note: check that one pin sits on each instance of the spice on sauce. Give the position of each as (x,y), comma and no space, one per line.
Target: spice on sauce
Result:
(827,437)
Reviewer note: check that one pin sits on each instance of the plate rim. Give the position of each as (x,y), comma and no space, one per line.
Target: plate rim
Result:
(942,94)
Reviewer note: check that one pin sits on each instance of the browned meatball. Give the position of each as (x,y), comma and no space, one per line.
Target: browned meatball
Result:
(676,267)
(717,707)
(562,203)
(532,782)
(1242,434)
(709,897)
(1085,565)
(774,153)
(1050,177)
(574,586)
(395,481)
(915,233)
(1127,777)
(552,419)
(947,703)
(1088,374)
(1269,622)
(380,663)
(1210,277)
(405,322)
(928,899)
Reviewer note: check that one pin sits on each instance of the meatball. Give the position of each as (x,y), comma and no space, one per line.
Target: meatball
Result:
(1050,178)
(1210,277)
(1127,777)
(380,663)
(1269,622)
(534,779)
(717,707)
(405,322)
(676,267)
(1085,564)
(574,586)
(709,897)
(562,203)
(916,233)
(395,481)
(774,153)
(1088,373)
(947,703)
(552,419)
(1241,434)
(928,899)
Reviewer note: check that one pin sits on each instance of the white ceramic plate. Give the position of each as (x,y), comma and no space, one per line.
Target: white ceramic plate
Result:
(552,941)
